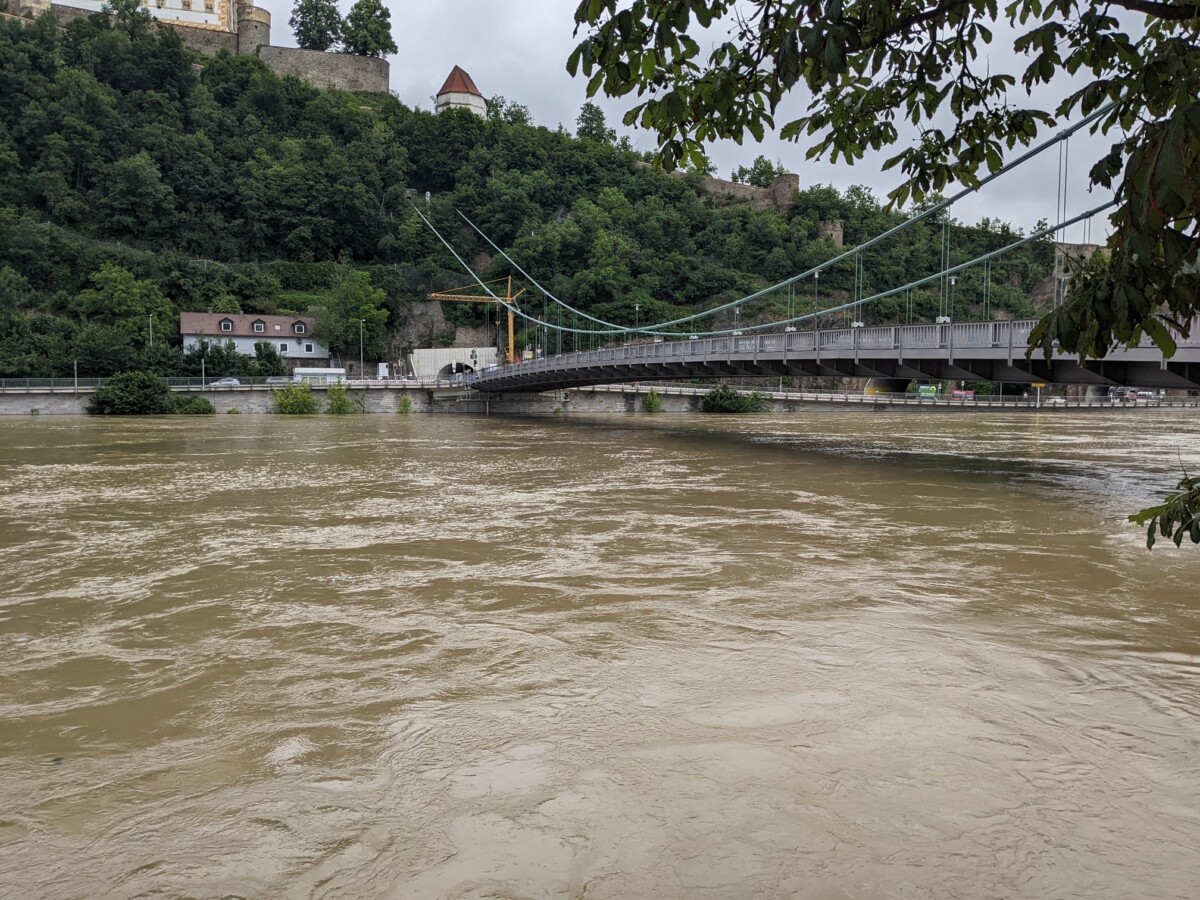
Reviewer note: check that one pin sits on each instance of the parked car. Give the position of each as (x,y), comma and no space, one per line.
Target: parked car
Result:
(962,395)
(279,379)
(225,382)
(1054,401)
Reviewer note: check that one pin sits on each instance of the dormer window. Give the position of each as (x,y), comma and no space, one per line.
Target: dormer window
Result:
(226,325)
(260,327)
(298,328)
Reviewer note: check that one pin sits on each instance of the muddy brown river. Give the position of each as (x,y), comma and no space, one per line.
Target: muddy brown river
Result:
(826,655)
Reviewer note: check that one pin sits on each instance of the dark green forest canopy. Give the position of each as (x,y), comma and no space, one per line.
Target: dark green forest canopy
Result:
(138,179)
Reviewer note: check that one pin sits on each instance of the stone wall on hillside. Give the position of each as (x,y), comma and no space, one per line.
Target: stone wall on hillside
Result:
(342,71)
(252,36)
(778,195)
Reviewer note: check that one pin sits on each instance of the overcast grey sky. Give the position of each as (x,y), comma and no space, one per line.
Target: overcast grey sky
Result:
(519,48)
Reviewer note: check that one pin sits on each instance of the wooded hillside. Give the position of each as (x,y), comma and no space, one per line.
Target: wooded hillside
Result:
(138,178)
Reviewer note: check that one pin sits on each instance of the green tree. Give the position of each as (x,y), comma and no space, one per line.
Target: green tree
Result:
(137,204)
(317,24)
(267,359)
(726,399)
(353,303)
(368,29)
(338,402)
(191,405)
(118,298)
(501,109)
(295,400)
(131,394)
(760,174)
(592,125)
(129,16)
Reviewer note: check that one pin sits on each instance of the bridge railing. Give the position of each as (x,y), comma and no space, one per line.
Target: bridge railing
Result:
(944,336)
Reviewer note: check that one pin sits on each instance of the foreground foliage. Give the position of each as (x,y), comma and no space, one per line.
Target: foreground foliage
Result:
(1178,516)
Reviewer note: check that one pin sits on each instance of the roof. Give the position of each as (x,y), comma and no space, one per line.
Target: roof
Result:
(459,82)
(210,324)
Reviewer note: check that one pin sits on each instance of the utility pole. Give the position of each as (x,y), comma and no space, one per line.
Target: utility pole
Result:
(360,349)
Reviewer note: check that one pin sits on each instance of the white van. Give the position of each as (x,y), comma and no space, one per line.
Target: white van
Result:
(301,375)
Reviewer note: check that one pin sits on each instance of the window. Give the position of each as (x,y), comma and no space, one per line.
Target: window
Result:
(187,4)
(259,327)
(308,348)
(299,327)
(226,325)
(277,328)
(208,6)
(283,348)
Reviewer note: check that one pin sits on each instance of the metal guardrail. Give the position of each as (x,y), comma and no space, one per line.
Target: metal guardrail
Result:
(1046,401)
(87,385)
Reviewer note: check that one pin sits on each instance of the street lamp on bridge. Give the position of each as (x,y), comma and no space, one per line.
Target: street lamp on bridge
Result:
(360,348)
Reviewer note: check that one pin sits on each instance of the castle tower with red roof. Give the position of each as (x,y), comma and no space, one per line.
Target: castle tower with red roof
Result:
(459,92)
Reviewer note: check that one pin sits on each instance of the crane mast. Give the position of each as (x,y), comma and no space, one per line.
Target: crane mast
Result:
(464,295)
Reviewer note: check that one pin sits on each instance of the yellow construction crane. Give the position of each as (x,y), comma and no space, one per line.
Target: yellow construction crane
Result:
(463,295)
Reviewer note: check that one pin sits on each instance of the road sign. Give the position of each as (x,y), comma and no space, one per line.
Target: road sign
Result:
(1038,384)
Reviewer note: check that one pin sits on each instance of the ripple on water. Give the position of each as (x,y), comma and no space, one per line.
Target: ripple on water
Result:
(857,655)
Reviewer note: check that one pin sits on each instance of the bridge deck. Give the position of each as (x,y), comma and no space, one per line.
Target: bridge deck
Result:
(988,351)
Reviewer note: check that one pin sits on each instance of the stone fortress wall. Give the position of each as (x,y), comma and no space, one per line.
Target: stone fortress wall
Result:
(241,28)
(778,195)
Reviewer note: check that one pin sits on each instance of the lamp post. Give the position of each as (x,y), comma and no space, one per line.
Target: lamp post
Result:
(817,295)
(637,317)
(737,320)
(360,348)
(953,282)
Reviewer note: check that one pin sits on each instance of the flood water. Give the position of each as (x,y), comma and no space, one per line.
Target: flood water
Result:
(823,655)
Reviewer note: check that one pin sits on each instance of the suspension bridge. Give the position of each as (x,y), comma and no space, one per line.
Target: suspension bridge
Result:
(892,355)
(802,344)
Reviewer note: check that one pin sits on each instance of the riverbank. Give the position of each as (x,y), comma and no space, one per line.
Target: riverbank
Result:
(390,398)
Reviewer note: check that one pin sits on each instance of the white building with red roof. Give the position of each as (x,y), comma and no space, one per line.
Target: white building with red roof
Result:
(290,335)
(459,92)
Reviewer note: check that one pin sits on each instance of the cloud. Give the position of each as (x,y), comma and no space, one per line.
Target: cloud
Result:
(519,50)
